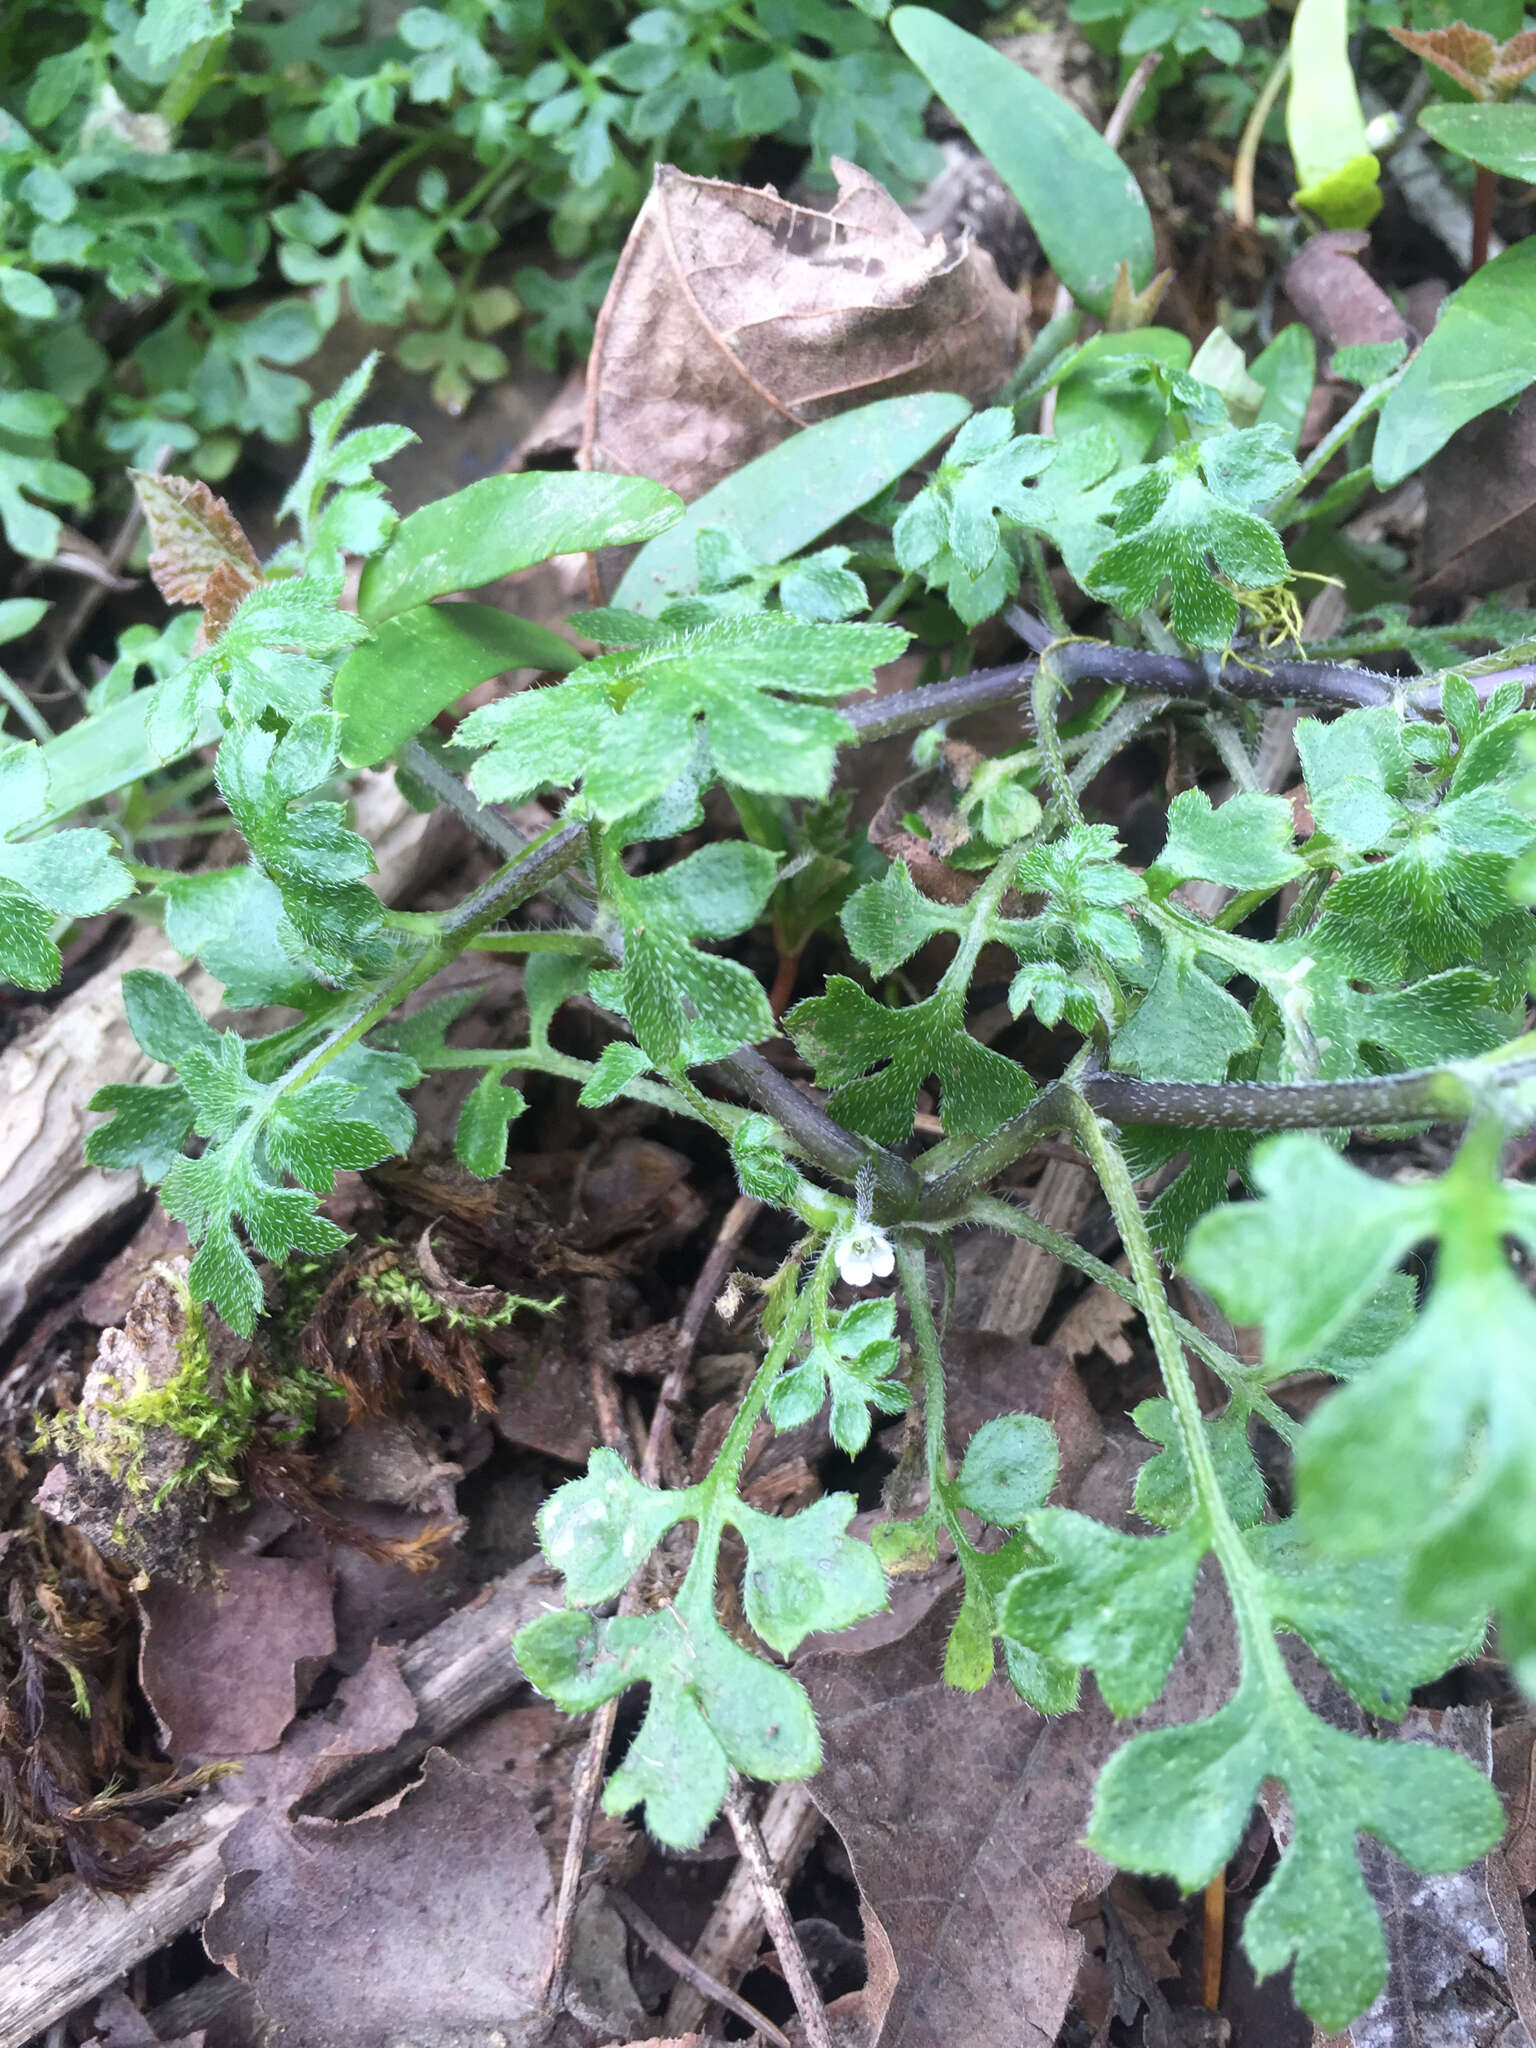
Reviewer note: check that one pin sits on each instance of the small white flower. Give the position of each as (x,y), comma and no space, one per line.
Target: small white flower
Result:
(865,1254)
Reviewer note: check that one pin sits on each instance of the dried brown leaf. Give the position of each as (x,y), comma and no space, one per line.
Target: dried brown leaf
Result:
(1480,507)
(452,1293)
(120,2024)
(1097,1321)
(426,1919)
(1488,70)
(1464,53)
(963,1817)
(735,318)
(1515,62)
(1514,1772)
(218,1661)
(224,592)
(194,535)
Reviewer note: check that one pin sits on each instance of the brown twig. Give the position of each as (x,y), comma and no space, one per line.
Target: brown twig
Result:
(734,1930)
(1130,98)
(797,1971)
(585,1785)
(738,1220)
(596,1328)
(1246,160)
(1482,215)
(679,1959)
(1215,1931)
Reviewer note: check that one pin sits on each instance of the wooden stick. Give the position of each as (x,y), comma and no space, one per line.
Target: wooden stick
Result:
(586,1783)
(797,1971)
(738,1220)
(724,1951)
(1215,1932)
(75,1948)
(679,1959)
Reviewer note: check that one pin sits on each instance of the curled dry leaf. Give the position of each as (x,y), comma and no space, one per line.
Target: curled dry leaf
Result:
(120,2024)
(218,1661)
(425,1919)
(452,1293)
(735,318)
(196,537)
(1480,507)
(1489,70)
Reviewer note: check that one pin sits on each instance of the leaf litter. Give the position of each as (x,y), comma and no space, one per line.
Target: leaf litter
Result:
(329,1920)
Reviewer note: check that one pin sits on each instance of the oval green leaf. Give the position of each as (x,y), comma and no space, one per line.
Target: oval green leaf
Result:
(108,751)
(795,493)
(420,662)
(1287,370)
(1479,355)
(1080,199)
(1501,138)
(505,523)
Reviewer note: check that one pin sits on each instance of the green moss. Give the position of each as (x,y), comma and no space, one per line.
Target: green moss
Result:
(219,1424)
(394,1287)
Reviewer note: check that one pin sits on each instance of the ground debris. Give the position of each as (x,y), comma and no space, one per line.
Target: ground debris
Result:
(763,316)
(428,1915)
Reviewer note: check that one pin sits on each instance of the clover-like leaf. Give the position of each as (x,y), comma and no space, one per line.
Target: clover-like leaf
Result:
(1353,1616)
(274,655)
(1307,1257)
(1432,1454)
(712,1706)
(1440,882)
(886,921)
(1429,1806)
(598,1530)
(1009,1469)
(682,1004)
(1187,524)
(330,919)
(1164,1491)
(805,1573)
(621,725)
(1245,844)
(348,1115)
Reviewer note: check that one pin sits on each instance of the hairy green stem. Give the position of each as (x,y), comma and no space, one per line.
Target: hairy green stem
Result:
(1044,692)
(1045,590)
(995,1214)
(813,1135)
(1370,401)
(912,1265)
(509,886)
(1438,1094)
(1226,1538)
(722,1481)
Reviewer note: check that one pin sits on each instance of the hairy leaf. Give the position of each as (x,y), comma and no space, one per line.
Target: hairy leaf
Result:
(622,724)
(51,876)
(876,1059)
